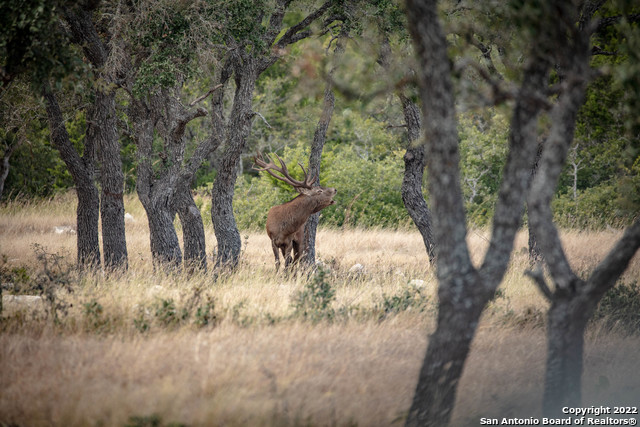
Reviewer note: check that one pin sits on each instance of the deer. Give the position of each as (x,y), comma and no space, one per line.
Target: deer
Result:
(286,222)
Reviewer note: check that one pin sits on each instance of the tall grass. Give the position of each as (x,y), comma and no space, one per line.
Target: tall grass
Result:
(152,347)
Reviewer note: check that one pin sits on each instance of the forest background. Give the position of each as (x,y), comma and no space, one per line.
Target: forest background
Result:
(600,185)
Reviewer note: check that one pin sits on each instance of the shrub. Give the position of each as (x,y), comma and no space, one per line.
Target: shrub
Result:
(620,308)
(314,301)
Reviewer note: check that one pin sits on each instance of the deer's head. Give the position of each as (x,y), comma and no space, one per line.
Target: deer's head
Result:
(322,196)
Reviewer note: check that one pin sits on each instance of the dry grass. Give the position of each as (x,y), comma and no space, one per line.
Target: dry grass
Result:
(258,364)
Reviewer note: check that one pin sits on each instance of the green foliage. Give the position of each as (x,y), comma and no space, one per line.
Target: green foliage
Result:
(409,298)
(31,41)
(314,302)
(368,189)
(620,308)
(483,150)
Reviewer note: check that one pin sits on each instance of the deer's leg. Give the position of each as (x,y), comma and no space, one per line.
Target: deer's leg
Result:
(286,253)
(275,253)
(298,244)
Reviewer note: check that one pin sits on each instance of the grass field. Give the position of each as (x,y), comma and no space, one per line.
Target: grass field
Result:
(259,348)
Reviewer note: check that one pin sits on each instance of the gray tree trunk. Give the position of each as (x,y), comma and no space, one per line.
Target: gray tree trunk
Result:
(463,290)
(238,130)
(315,157)
(193,237)
(414,163)
(156,195)
(102,128)
(246,63)
(573,299)
(82,172)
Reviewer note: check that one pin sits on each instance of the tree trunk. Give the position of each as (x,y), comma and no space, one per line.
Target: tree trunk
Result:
(315,158)
(82,172)
(156,195)
(414,163)
(103,128)
(238,130)
(319,138)
(193,237)
(463,291)
(563,377)
(449,346)
(165,246)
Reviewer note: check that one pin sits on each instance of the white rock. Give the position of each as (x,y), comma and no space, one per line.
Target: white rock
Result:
(356,268)
(417,283)
(63,229)
(128,217)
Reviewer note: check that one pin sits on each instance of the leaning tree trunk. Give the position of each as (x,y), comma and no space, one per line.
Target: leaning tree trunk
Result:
(315,158)
(414,164)
(82,172)
(238,130)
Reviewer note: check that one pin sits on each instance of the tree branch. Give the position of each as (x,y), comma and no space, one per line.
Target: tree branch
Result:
(538,278)
(201,98)
(611,268)
(292,34)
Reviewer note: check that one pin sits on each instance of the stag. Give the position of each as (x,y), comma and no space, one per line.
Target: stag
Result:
(286,222)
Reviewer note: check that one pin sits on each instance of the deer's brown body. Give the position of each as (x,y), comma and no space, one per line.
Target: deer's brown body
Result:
(286,222)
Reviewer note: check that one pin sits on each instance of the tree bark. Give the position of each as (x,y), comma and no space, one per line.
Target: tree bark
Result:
(82,172)
(102,128)
(156,195)
(193,237)
(463,291)
(414,164)
(315,157)
(238,130)
(573,299)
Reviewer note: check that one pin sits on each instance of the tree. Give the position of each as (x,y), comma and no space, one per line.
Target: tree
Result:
(573,299)
(82,169)
(463,289)
(319,138)
(159,50)
(252,47)
(414,162)
(102,128)
(562,46)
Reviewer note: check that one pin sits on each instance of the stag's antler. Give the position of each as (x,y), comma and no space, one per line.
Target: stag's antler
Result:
(271,167)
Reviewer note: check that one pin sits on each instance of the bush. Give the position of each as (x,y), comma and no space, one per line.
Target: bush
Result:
(620,308)
(314,302)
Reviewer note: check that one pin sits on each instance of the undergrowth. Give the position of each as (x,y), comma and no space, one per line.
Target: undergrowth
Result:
(56,281)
